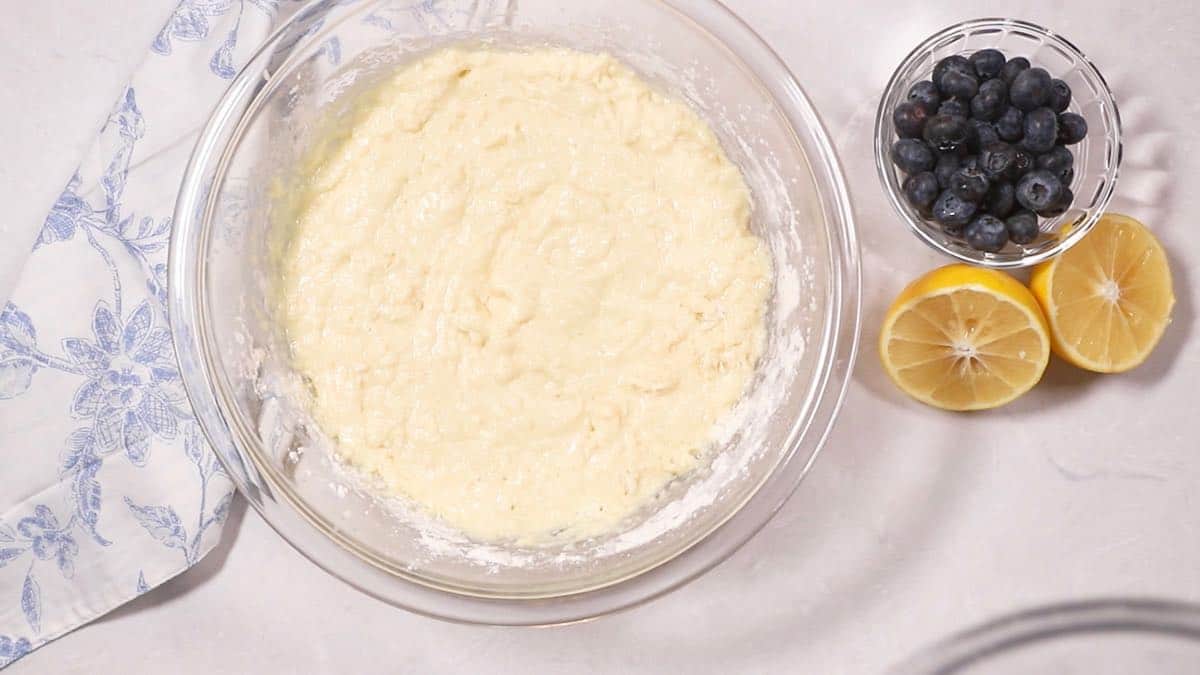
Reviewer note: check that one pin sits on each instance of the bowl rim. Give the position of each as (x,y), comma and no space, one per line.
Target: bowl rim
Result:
(885,134)
(840,335)
(1027,627)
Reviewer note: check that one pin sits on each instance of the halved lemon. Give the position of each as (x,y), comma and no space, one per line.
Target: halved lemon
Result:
(965,338)
(1109,298)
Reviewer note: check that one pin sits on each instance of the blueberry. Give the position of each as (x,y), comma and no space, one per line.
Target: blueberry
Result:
(1057,158)
(1060,96)
(1014,67)
(972,144)
(954,61)
(1000,199)
(1071,128)
(953,107)
(988,63)
(1039,190)
(1041,130)
(951,64)
(969,162)
(1022,227)
(1067,176)
(952,213)
(959,85)
(984,135)
(925,94)
(921,189)
(969,184)
(1059,207)
(990,102)
(912,156)
(1011,125)
(1022,165)
(986,233)
(946,133)
(909,119)
(1060,162)
(998,161)
(947,164)
(1030,89)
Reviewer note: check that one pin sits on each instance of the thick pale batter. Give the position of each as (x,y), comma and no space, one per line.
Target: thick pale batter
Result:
(524,290)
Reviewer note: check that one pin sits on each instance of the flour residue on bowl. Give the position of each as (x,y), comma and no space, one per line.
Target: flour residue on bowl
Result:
(522,290)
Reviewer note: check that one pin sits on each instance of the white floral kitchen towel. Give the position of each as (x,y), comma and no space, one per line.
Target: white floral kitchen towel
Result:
(107,487)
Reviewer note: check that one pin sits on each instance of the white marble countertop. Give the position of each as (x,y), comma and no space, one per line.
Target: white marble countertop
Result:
(912,524)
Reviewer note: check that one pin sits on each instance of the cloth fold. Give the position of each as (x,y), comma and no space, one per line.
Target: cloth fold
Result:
(108,488)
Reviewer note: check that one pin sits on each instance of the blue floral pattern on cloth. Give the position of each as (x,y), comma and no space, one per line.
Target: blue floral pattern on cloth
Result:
(109,486)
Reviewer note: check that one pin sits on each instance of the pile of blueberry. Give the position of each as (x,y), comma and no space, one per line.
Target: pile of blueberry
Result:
(983,147)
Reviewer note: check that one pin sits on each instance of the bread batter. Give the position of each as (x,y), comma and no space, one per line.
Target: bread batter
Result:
(524,291)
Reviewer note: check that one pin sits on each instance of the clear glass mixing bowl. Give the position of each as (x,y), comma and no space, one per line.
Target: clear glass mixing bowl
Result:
(235,361)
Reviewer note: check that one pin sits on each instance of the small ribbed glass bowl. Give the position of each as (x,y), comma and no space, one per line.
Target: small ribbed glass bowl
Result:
(1097,157)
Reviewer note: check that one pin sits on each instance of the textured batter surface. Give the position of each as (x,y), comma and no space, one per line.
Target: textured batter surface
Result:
(524,290)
